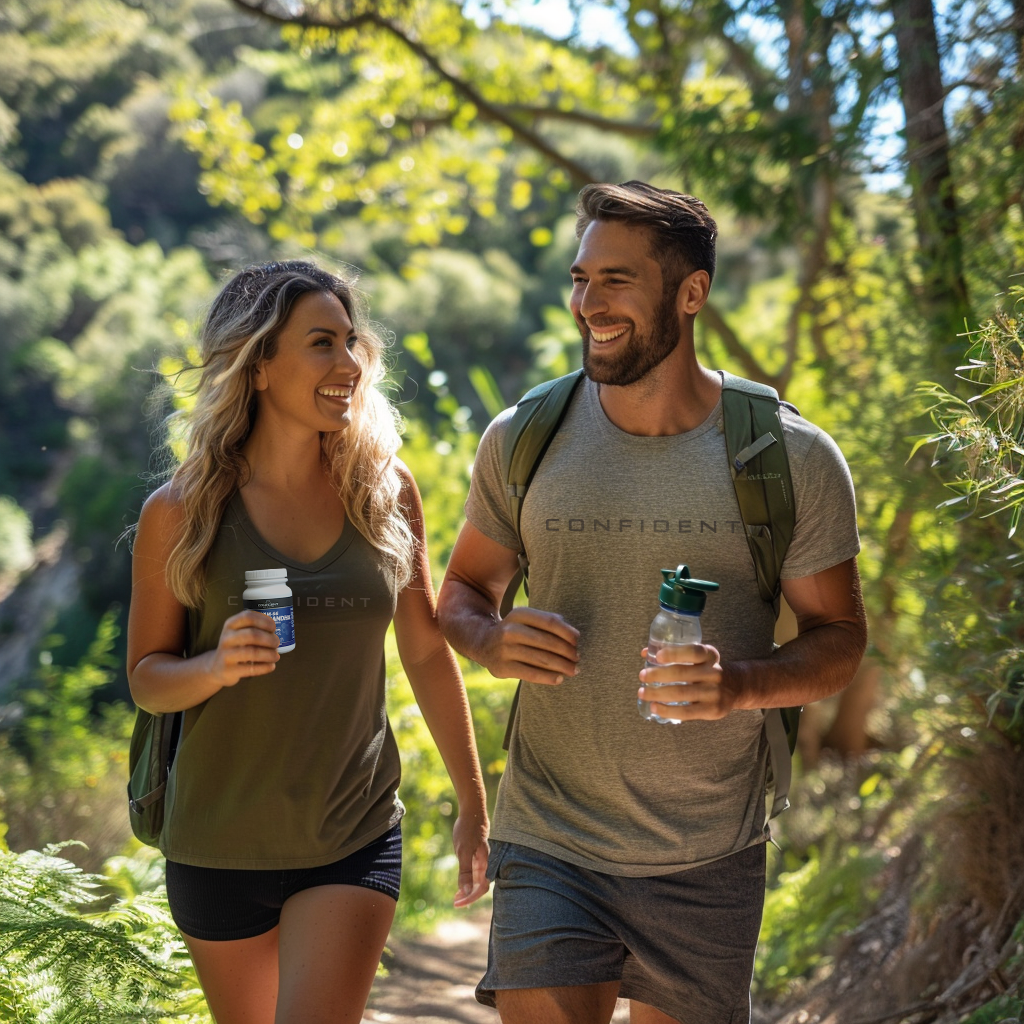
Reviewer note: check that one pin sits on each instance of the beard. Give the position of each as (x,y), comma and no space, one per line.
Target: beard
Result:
(644,353)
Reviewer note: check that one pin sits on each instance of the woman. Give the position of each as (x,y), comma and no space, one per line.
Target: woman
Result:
(281,827)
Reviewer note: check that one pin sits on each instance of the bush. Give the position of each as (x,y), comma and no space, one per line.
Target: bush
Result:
(63,767)
(72,952)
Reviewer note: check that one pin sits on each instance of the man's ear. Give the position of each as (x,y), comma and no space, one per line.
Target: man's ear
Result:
(693,292)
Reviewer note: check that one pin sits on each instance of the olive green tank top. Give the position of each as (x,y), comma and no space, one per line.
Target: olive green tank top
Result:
(300,767)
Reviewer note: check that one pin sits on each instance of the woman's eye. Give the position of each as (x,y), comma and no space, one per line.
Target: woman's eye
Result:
(353,341)
(320,342)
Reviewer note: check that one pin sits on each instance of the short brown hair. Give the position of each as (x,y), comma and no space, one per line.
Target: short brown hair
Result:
(683,233)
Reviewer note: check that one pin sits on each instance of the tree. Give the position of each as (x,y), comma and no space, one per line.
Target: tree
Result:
(928,158)
(407,97)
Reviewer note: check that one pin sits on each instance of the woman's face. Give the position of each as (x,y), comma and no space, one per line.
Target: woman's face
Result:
(309,382)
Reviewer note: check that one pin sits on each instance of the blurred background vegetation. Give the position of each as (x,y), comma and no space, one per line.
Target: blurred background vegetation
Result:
(865,161)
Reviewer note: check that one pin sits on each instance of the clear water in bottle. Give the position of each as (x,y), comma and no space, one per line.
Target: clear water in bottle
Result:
(680,601)
(668,630)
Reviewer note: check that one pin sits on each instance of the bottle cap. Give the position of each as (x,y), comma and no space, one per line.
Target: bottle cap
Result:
(683,594)
(265,575)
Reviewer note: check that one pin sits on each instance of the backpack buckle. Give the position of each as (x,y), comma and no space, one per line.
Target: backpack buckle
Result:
(754,448)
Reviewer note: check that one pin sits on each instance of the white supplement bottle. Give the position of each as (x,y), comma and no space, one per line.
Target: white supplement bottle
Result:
(267,591)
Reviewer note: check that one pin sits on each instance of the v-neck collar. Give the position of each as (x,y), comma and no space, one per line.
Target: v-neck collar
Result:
(237,505)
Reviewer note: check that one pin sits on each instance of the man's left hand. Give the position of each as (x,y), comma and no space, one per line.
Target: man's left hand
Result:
(699,682)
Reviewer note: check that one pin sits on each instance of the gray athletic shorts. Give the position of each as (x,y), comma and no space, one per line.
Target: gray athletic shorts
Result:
(683,943)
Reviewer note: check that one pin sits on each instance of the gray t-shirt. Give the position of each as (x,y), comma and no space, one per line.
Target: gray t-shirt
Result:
(588,780)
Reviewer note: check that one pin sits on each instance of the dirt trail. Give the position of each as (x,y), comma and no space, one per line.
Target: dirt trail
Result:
(431,978)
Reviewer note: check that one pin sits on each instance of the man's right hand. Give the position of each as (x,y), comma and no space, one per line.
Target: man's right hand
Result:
(527,644)
(532,645)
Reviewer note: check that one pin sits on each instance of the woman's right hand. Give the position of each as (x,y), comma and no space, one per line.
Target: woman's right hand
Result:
(247,647)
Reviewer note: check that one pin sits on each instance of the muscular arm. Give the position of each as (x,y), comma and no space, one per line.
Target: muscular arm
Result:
(528,644)
(437,685)
(820,661)
(161,678)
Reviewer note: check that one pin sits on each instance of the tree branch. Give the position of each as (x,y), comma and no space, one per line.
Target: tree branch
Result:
(751,367)
(577,172)
(633,129)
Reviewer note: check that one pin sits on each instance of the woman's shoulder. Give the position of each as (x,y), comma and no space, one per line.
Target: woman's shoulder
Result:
(406,480)
(163,510)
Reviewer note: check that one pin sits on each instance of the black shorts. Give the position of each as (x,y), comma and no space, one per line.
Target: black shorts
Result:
(221,904)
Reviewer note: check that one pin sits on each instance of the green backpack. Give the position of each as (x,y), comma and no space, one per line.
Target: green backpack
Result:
(150,756)
(764,489)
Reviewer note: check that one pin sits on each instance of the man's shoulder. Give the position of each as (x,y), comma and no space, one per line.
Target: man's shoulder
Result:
(801,432)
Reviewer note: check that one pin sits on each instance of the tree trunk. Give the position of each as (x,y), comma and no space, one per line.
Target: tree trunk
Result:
(944,294)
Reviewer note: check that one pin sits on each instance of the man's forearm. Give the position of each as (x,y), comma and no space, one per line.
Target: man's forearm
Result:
(465,617)
(817,664)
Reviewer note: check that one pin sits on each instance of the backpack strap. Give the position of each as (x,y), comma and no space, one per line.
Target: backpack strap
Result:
(539,414)
(760,474)
(764,490)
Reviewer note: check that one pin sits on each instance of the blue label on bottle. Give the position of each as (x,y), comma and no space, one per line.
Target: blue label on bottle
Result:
(280,610)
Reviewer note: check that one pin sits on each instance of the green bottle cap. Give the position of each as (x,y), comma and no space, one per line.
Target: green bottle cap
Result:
(683,594)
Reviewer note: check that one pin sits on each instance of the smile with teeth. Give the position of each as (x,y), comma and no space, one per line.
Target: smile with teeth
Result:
(608,335)
(336,392)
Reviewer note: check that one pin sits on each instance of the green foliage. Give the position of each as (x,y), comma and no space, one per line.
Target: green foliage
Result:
(808,908)
(979,446)
(71,955)
(430,869)
(412,126)
(63,768)
(1003,1008)
(16,552)
(981,440)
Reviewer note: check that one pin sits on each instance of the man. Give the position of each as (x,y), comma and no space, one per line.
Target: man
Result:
(629,856)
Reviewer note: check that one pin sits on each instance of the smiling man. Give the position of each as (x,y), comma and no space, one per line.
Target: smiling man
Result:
(629,856)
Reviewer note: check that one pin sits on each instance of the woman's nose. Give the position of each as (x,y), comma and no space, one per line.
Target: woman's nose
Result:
(347,360)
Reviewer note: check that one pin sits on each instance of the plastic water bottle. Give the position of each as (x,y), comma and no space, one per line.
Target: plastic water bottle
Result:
(677,623)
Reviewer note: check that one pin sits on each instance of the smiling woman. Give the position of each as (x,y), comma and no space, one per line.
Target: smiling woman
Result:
(316,368)
(282,820)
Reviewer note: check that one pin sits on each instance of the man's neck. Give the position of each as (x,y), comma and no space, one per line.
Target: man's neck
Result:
(675,397)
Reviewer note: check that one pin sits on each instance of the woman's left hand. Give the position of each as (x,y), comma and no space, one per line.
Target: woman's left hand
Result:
(470,840)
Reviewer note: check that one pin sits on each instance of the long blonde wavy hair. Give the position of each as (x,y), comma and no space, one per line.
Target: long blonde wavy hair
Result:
(241,331)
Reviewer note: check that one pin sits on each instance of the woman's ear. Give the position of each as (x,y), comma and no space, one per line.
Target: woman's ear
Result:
(259,376)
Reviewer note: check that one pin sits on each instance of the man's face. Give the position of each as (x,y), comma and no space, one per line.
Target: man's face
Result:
(628,325)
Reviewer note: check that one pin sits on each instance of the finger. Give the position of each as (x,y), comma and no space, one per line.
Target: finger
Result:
(666,694)
(687,654)
(250,637)
(708,673)
(533,674)
(545,622)
(518,634)
(249,669)
(539,657)
(249,617)
(689,712)
(474,883)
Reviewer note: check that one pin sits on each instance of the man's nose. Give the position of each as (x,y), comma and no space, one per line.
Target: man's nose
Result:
(592,300)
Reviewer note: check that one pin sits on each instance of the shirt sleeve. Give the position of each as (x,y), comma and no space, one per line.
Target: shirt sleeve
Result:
(487,505)
(825,532)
